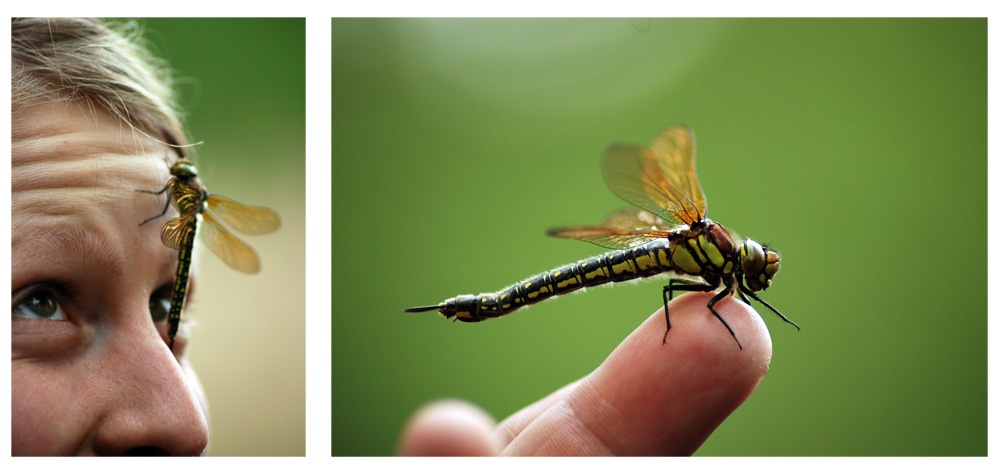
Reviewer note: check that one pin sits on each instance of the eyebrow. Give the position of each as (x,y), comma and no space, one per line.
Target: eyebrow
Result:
(95,250)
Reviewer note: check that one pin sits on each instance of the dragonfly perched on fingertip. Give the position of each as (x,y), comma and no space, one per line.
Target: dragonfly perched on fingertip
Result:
(668,234)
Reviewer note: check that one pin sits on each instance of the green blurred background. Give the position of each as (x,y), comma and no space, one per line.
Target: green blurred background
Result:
(242,84)
(857,147)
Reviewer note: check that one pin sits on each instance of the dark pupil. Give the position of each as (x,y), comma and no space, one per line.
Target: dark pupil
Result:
(159,307)
(42,304)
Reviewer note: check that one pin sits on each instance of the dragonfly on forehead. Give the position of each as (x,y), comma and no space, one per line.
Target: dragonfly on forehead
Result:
(200,210)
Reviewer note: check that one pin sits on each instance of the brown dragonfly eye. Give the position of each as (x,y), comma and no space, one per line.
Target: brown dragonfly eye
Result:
(752,257)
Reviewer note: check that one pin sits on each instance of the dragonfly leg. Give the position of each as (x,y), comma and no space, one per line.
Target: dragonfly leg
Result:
(668,295)
(165,208)
(167,186)
(758,299)
(711,306)
(156,192)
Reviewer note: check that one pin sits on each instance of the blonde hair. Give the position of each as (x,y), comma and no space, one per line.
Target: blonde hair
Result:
(105,66)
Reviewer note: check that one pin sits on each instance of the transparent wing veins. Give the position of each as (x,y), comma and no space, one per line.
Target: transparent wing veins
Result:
(661,180)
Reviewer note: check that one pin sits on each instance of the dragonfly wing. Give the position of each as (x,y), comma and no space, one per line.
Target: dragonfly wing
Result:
(611,238)
(245,219)
(635,219)
(237,254)
(660,179)
(175,232)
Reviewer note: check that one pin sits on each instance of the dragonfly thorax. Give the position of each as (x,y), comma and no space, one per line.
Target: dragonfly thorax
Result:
(705,250)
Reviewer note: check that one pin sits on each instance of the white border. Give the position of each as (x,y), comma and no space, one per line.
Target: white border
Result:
(318,240)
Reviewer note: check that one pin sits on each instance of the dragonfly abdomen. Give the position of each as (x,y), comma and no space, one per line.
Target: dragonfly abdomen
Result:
(184,255)
(642,261)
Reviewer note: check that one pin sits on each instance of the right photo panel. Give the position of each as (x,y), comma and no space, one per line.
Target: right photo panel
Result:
(659,237)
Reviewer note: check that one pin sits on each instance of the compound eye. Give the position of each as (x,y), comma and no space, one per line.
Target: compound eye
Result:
(184,169)
(752,258)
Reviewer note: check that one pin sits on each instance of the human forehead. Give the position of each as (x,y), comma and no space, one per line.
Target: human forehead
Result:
(74,168)
(66,146)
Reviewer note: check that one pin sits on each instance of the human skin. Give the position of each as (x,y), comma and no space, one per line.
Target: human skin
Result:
(647,398)
(96,376)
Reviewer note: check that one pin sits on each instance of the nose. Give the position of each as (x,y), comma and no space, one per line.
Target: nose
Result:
(153,405)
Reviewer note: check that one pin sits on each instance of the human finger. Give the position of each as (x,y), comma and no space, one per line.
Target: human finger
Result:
(449,428)
(651,398)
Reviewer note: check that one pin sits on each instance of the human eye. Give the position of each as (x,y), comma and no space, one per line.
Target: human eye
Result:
(39,304)
(159,304)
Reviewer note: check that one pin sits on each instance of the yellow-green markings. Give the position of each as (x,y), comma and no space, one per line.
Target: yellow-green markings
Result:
(684,261)
(645,260)
(181,282)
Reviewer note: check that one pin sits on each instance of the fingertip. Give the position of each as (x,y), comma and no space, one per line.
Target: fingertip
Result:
(700,335)
(449,428)
(668,398)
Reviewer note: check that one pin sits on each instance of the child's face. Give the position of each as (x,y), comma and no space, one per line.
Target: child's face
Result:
(90,372)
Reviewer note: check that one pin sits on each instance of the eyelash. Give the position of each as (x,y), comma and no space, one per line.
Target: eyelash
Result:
(62,294)
(56,292)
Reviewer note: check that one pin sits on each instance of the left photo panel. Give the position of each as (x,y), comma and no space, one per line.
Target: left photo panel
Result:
(158,236)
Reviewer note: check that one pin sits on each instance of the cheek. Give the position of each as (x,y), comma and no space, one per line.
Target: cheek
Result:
(49,413)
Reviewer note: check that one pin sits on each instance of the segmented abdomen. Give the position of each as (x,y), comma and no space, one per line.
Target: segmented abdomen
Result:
(645,260)
(184,255)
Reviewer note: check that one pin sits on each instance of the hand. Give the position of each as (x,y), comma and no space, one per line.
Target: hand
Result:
(647,398)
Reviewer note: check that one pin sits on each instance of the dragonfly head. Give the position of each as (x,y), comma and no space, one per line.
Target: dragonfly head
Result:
(759,265)
(184,169)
